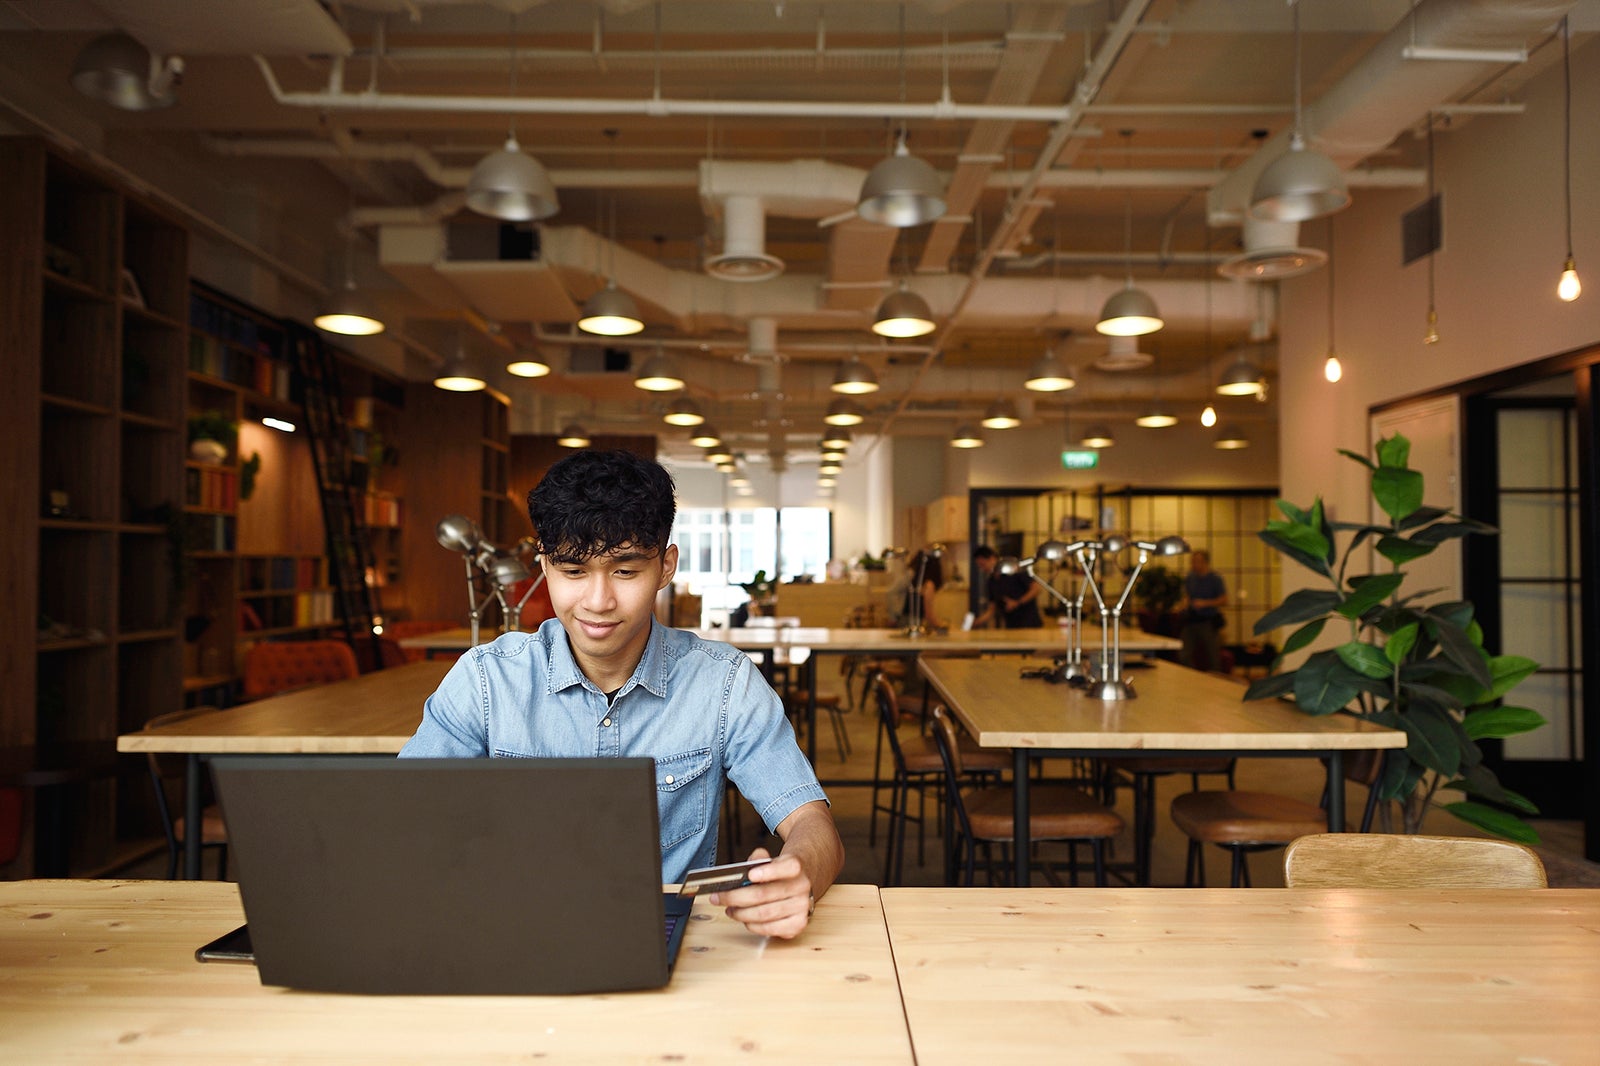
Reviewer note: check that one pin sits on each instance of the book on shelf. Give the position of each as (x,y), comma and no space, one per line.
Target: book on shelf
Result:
(211,488)
(210,532)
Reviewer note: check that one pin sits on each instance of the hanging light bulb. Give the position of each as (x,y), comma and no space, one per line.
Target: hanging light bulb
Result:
(1569,287)
(1332,369)
(1208,417)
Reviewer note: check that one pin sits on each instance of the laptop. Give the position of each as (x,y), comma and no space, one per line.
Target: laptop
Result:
(464,876)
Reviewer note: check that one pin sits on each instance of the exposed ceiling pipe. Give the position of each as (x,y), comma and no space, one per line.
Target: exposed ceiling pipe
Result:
(1385,94)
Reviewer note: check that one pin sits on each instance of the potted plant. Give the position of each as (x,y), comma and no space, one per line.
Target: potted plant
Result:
(1158,594)
(211,436)
(763,592)
(1411,665)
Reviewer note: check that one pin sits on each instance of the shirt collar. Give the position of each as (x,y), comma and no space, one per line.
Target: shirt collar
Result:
(564,672)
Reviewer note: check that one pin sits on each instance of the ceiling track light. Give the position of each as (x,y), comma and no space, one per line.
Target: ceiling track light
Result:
(659,374)
(611,313)
(573,435)
(967,435)
(683,411)
(903,314)
(1002,414)
(854,378)
(844,412)
(1302,183)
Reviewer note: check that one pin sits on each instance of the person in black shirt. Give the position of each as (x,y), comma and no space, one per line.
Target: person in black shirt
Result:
(1013,598)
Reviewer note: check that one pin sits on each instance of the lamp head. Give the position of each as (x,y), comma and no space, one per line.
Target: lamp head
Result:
(1052,551)
(507,570)
(1010,564)
(458,533)
(1114,543)
(935,550)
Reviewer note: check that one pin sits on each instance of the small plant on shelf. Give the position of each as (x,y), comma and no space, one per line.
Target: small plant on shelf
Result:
(1413,666)
(214,427)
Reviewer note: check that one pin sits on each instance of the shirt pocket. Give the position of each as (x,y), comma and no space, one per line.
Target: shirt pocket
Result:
(683,794)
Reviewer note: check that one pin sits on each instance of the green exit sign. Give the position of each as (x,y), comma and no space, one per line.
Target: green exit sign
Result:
(1087,459)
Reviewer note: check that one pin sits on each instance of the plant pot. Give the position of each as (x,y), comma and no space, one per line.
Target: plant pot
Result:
(205,450)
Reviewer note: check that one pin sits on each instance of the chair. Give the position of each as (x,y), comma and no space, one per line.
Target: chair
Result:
(272,667)
(986,815)
(1243,821)
(167,771)
(914,764)
(1140,774)
(1387,860)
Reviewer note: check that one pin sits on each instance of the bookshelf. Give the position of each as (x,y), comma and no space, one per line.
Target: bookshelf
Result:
(92,291)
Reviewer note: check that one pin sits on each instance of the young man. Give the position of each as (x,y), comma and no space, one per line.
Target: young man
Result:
(602,678)
(1014,597)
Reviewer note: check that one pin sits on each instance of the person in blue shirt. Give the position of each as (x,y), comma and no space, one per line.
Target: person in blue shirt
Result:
(1202,622)
(604,678)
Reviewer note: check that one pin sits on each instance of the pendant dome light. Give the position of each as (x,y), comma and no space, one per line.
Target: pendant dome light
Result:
(901,191)
(1098,435)
(573,435)
(457,375)
(719,454)
(844,412)
(118,70)
(1302,183)
(903,314)
(836,439)
(1242,378)
(659,374)
(1156,416)
(705,436)
(683,411)
(1230,438)
(966,435)
(529,364)
(1130,312)
(510,184)
(1049,375)
(611,313)
(854,378)
(1002,414)
(349,314)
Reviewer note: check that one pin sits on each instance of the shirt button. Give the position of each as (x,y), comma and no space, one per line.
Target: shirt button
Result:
(669,779)
(605,721)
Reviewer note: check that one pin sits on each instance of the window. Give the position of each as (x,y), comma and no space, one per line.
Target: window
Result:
(718,550)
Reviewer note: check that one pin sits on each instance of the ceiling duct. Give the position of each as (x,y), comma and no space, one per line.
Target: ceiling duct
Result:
(769,381)
(763,342)
(1271,253)
(744,255)
(1122,353)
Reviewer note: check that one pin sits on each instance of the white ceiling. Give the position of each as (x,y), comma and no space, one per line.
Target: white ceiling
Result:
(1158,108)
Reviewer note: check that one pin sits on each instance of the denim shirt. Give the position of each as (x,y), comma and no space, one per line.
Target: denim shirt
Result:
(699,708)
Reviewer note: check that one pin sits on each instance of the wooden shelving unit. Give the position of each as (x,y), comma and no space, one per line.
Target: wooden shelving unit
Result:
(92,290)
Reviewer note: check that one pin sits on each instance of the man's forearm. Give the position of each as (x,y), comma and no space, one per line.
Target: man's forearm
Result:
(810,836)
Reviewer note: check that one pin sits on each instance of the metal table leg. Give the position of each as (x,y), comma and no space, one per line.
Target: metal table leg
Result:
(1021,842)
(193,832)
(1336,791)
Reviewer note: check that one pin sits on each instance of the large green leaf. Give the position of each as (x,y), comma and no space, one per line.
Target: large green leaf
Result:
(1440,532)
(1421,517)
(1323,684)
(1400,774)
(1291,512)
(1271,686)
(1480,781)
(1301,637)
(1430,740)
(1400,551)
(1456,612)
(1506,672)
(1400,643)
(1492,723)
(1456,646)
(1312,560)
(1367,591)
(1438,695)
(1394,451)
(1501,824)
(1397,490)
(1364,659)
(1302,605)
(1358,457)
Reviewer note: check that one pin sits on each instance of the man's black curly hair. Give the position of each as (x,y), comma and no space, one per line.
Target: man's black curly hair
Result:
(594,502)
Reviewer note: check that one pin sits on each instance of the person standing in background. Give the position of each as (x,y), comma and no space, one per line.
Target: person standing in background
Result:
(919,601)
(1013,598)
(1202,621)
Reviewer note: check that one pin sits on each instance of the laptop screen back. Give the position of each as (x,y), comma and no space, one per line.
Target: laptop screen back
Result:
(480,876)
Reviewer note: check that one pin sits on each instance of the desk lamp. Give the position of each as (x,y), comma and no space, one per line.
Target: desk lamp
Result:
(458,533)
(1054,551)
(1111,685)
(914,626)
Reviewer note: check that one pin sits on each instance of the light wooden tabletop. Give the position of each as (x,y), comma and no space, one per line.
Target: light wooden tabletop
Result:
(1245,976)
(1176,709)
(104,971)
(375,713)
(1051,639)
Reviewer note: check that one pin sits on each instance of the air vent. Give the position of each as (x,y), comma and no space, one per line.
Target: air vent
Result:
(1272,252)
(1123,354)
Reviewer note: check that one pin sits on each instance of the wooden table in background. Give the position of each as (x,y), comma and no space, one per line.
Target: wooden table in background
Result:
(1248,975)
(104,971)
(375,714)
(1177,711)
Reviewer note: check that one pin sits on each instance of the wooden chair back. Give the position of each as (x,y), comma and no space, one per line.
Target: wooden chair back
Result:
(889,718)
(271,667)
(1387,860)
